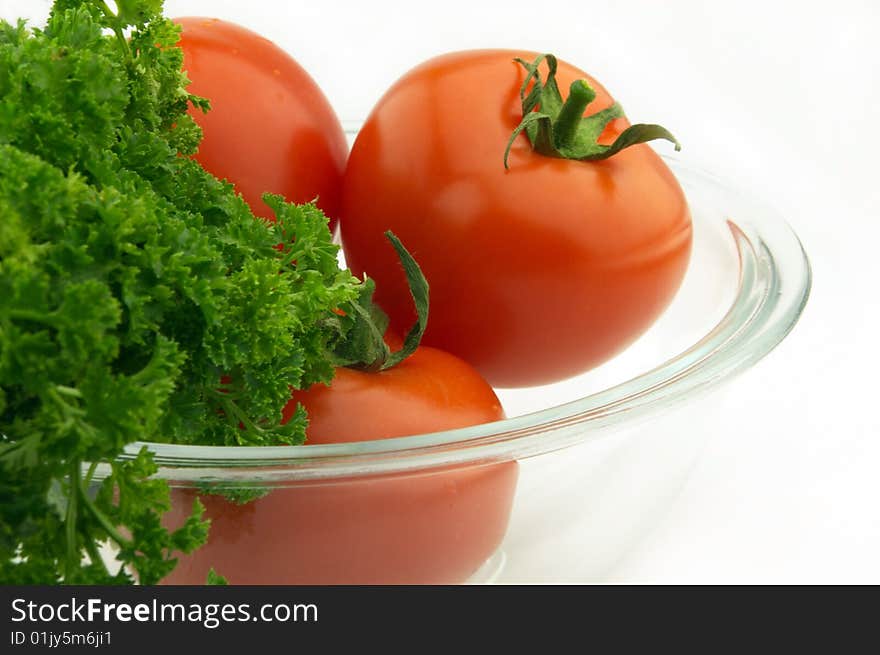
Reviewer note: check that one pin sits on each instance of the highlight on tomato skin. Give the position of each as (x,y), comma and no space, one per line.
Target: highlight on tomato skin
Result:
(270,127)
(538,271)
(436,526)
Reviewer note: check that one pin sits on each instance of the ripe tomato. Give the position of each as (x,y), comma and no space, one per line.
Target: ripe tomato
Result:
(270,128)
(429,391)
(434,526)
(537,272)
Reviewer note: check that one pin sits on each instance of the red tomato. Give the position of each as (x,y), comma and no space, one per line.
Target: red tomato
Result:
(270,128)
(434,526)
(429,391)
(538,272)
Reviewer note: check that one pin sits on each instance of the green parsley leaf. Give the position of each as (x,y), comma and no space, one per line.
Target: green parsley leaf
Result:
(140,298)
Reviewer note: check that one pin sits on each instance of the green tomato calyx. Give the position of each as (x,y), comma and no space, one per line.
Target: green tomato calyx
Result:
(364,346)
(558,128)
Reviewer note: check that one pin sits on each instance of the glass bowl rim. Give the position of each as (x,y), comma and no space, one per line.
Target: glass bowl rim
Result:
(774,285)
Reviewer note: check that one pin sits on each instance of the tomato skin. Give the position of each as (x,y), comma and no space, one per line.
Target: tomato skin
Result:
(425,527)
(538,272)
(429,391)
(270,128)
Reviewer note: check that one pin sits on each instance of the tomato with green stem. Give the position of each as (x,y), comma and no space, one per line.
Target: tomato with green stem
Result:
(270,127)
(427,526)
(552,239)
(435,526)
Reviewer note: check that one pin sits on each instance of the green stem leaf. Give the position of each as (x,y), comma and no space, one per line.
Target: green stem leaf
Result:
(639,133)
(420,292)
(363,346)
(558,128)
(99,516)
(70,519)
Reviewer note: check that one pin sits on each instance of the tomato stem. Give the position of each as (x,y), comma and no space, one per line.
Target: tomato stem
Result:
(560,129)
(565,128)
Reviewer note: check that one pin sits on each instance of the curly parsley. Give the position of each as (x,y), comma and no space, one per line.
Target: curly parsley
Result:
(140,299)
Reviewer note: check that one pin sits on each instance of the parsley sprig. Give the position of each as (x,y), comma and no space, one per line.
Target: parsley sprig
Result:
(140,299)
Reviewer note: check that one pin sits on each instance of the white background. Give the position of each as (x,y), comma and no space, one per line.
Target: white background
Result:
(781,99)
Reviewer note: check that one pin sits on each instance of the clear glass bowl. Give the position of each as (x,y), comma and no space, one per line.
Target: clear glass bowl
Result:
(555,493)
